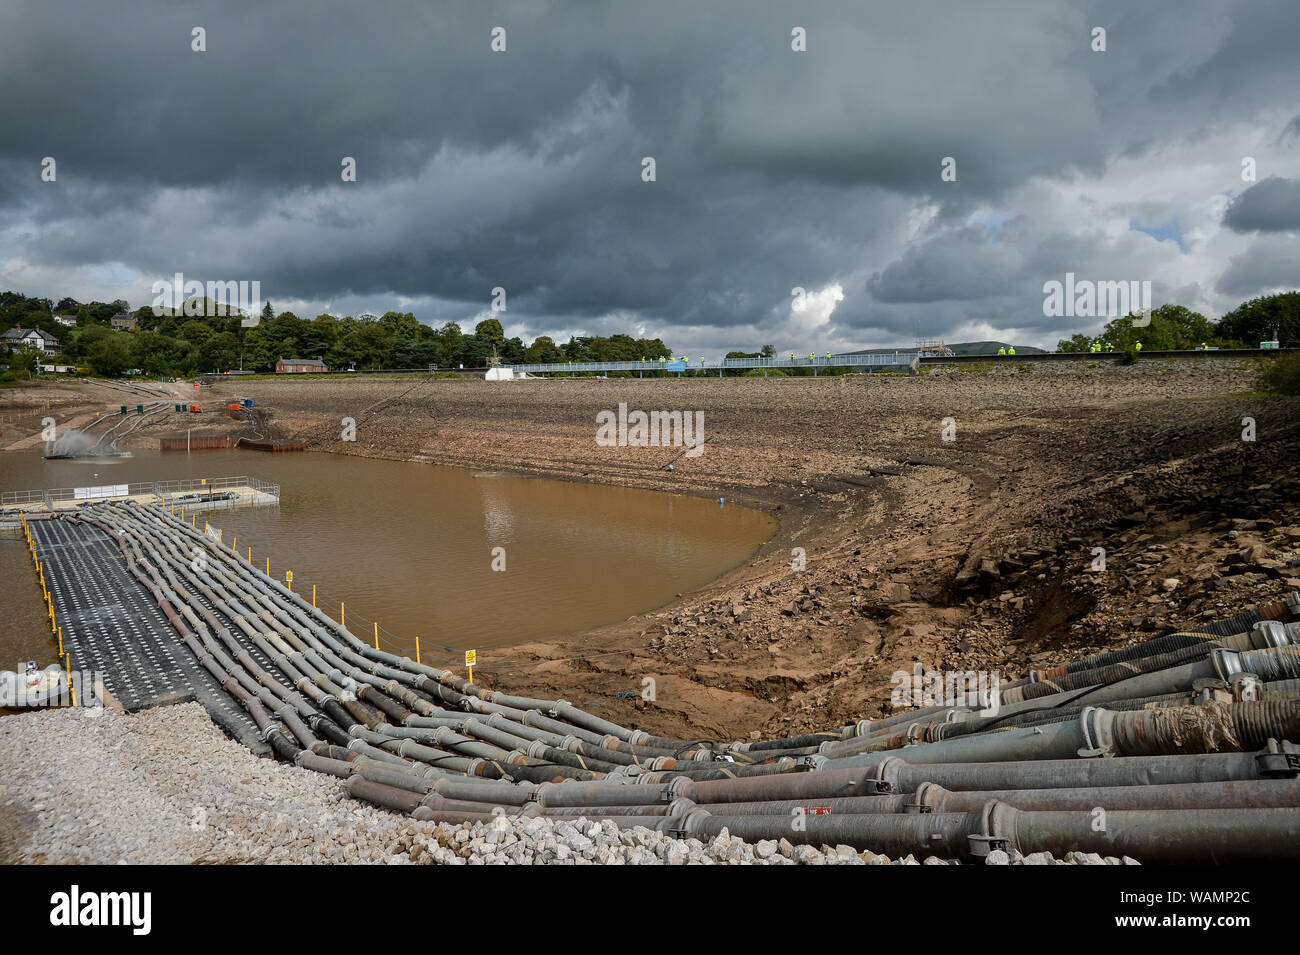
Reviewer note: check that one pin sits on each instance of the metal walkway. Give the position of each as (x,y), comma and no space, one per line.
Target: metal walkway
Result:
(112,625)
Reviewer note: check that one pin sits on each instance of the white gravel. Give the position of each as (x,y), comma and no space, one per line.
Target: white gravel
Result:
(167,786)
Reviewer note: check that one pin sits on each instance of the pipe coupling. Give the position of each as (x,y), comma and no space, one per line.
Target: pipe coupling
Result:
(536,749)
(1268,634)
(1098,729)
(929,797)
(887,771)
(1225,662)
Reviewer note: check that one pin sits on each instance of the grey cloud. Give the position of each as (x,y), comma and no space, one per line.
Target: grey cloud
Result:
(1271,263)
(1271,205)
(522,169)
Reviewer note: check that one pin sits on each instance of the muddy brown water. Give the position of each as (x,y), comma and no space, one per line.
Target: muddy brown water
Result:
(412,546)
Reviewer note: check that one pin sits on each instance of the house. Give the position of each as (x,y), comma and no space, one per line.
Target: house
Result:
(123,322)
(16,338)
(66,320)
(299,366)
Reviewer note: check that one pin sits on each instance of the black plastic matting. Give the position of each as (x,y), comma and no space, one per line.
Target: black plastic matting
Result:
(112,625)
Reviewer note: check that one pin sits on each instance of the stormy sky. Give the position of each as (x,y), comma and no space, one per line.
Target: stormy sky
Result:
(1171,156)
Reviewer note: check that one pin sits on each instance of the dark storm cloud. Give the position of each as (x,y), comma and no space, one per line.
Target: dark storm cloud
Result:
(522,169)
(1272,205)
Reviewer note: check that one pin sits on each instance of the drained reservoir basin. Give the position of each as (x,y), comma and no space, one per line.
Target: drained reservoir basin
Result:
(458,558)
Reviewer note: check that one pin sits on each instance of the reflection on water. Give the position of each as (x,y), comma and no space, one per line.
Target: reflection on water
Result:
(410,545)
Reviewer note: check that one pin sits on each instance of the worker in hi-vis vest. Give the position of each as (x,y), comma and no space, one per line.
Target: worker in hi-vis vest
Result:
(1011,349)
(1002,349)
(1137,347)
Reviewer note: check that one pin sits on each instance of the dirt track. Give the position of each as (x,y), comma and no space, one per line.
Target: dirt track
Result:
(965,554)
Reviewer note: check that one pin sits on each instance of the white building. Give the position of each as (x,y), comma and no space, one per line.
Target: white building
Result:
(16,338)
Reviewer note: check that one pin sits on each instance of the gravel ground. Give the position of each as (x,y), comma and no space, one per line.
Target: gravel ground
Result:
(166,786)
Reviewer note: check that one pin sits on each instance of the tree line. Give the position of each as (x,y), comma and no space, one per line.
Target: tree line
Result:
(1174,327)
(178,343)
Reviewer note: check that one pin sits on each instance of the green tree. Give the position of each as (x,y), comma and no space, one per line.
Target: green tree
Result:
(1259,319)
(1075,343)
(110,356)
(542,349)
(195,331)
(490,330)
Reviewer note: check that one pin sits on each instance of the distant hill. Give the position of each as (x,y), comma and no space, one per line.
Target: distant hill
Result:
(960,348)
(991,348)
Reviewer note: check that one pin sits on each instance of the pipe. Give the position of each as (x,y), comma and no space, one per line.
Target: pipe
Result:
(1197,836)
(1246,794)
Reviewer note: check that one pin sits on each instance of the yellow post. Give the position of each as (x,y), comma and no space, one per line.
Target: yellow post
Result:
(417,649)
(60,641)
(233,542)
(250,555)
(376,635)
(343,615)
(288,579)
(194,521)
(71,688)
(182,512)
(313,595)
(268,567)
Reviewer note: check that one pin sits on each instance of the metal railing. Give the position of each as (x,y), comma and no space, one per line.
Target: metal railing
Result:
(162,489)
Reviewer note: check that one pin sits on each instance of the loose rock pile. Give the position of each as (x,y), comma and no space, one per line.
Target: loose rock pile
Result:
(166,786)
